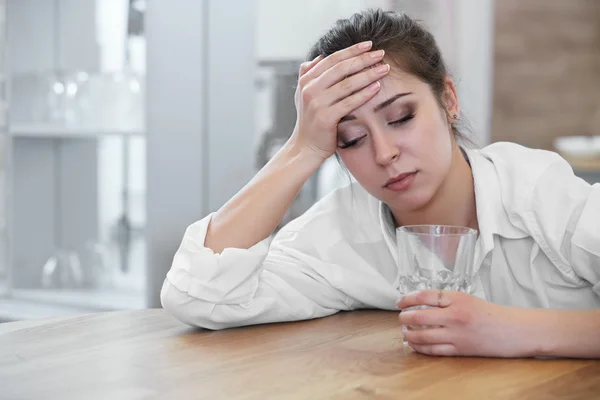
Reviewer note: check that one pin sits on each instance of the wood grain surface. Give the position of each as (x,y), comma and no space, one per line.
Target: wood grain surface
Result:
(149,355)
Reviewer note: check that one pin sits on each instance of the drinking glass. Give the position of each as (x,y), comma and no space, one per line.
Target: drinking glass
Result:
(438,257)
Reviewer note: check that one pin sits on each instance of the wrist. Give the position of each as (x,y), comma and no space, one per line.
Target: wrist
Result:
(305,154)
(537,332)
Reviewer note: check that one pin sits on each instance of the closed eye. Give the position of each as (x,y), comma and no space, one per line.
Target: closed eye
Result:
(352,142)
(402,120)
(358,140)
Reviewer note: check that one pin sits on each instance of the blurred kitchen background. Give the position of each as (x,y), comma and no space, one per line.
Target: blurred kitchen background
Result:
(124,121)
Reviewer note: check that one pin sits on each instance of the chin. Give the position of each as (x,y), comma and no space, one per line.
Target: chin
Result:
(409,201)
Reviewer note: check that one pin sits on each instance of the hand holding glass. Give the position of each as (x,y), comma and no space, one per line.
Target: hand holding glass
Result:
(435,257)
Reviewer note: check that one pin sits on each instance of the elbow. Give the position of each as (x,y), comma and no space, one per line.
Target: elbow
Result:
(171,304)
(166,300)
(189,310)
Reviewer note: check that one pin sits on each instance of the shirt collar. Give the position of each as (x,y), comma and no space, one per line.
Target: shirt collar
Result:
(492,217)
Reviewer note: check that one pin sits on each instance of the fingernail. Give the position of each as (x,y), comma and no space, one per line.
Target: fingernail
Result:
(378,54)
(375,86)
(315,59)
(383,69)
(365,45)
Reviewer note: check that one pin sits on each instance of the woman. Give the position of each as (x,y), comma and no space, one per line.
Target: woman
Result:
(377,95)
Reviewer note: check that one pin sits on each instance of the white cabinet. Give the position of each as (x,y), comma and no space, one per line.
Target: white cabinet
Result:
(69,119)
(193,149)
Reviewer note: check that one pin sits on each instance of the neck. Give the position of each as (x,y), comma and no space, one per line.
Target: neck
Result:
(452,204)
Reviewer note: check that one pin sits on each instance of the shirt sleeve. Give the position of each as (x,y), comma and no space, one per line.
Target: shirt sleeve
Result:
(585,242)
(262,284)
(567,210)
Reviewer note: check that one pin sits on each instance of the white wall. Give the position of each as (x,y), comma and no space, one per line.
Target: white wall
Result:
(200,72)
(474,24)
(175,144)
(438,18)
(287,29)
(230,91)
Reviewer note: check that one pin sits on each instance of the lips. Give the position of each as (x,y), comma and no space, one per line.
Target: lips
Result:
(401,182)
(399,178)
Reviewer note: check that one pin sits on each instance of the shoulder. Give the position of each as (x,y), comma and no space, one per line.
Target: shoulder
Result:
(541,191)
(523,173)
(535,185)
(519,161)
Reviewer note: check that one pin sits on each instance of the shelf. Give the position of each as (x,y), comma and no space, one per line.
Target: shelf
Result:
(48,131)
(21,310)
(93,300)
(17,325)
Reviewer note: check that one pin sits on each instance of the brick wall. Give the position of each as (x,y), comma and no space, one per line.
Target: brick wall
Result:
(546,70)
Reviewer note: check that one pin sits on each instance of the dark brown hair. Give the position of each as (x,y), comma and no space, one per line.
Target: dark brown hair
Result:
(410,46)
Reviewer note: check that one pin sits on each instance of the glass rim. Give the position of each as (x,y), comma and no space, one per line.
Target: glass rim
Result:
(461,230)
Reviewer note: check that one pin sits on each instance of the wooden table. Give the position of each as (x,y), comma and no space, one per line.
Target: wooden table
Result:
(149,355)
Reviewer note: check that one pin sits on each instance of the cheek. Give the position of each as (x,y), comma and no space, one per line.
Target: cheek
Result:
(443,148)
(361,165)
(435,146)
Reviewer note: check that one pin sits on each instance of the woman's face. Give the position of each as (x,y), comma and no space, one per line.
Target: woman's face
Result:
(398,145)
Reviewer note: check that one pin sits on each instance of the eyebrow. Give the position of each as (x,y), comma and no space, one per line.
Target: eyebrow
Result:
(378,107)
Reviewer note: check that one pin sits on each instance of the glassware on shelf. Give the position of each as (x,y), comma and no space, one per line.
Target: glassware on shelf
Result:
(117,101)
(62,97)
(107,101)
(55,98)
(62,270)
(67,269)
(97,272)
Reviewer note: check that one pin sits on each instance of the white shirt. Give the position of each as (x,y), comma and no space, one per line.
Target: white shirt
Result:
(539,246)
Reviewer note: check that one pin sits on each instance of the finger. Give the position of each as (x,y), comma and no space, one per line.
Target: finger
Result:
(352,102)
(430,298)
(307,66)
(347,68)
(430,317)
(447,350)
(427,336)
(355,83)
(338,57)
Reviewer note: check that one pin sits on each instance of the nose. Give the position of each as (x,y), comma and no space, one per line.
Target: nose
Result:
(386,151)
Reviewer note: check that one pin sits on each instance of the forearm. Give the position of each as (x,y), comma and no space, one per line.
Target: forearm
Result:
(254,213)
(563,333)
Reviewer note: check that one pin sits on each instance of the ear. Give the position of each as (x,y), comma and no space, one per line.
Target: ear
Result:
(451,101)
